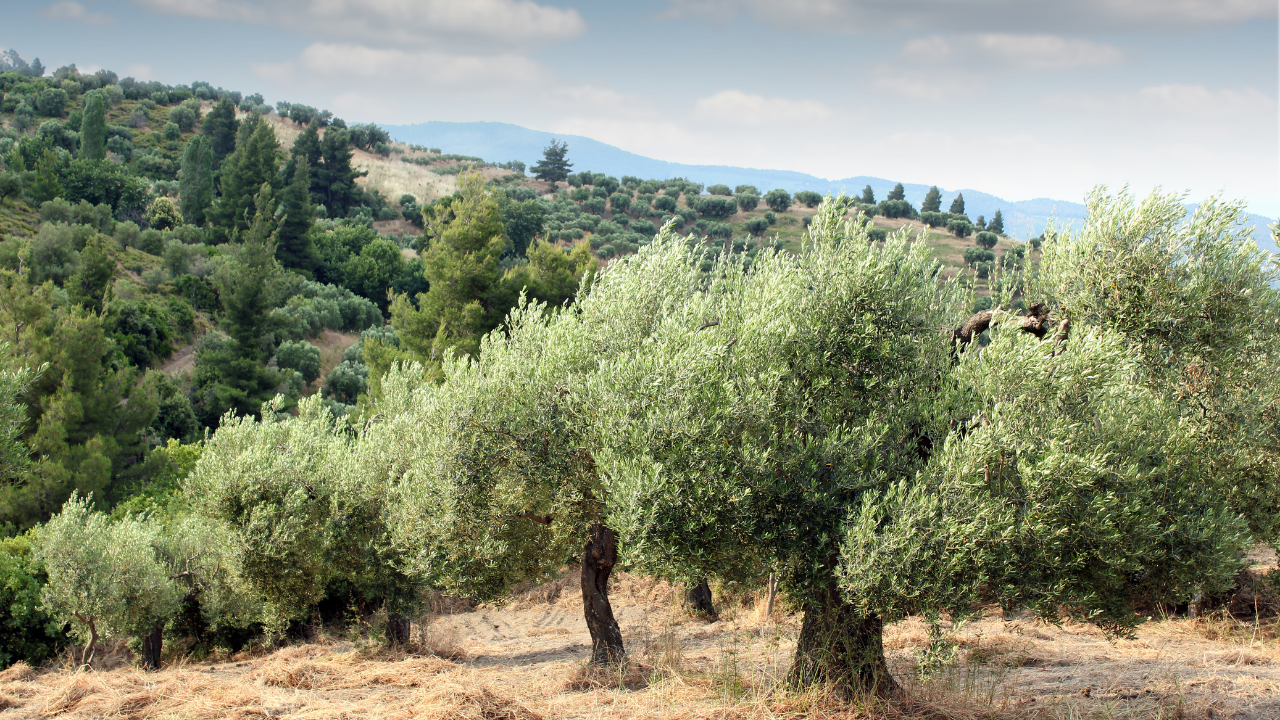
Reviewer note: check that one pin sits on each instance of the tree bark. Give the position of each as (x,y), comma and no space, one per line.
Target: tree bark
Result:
(598,559)
(152,645)
(398,627)
(842,649)
(699,600)
(773,594)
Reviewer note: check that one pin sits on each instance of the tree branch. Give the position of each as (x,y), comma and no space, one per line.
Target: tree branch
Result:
(544,519)
(1035,322)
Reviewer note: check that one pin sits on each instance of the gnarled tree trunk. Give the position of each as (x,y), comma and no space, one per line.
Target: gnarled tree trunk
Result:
(698,598)
(841,648)
(598,559)
(152,645)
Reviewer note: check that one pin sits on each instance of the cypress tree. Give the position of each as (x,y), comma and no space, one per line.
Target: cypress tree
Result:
(195,180)
(246,285)
(294,249)
(932,201)
(868,195)
(93,128)
(957,205)
(220,127)
(897,193)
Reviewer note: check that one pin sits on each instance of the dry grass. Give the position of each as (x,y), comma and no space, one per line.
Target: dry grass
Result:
(528,660)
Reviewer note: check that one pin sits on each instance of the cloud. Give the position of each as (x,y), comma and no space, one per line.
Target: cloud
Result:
(327,62)
(74,11)
(607,101)
(867,17)
(1012,51)
(404,23)
(141,72)
(932,85)
(1170,105)
(734,107)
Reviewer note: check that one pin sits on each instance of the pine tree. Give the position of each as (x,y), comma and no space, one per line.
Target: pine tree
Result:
(246,286)
(461,265)
(220,127)
(957,205)
(335,183)
(868,196)
(932,201)
(88,286)
(254,163)
(294,249)
(93,128)
(195,180)
(997,224)
(897,193)
(46,186)
(553,166)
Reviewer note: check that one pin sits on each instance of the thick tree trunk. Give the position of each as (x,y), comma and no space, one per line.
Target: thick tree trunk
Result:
(840,648)
(699,600)
(152,645)
(598,559)
(398,627)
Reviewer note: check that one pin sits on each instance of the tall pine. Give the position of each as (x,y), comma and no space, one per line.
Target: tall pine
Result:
(897,193)
(254,163)
(957,205)
(220,127)
(195,180)
(335,181)
(553,166)
(932,201)
(93,128)
(294,249)
(46,186)
(868,195)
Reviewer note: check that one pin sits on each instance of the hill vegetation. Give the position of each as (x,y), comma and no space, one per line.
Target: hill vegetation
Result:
(249,390)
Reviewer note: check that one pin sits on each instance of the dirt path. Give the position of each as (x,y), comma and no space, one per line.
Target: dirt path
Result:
(527,660)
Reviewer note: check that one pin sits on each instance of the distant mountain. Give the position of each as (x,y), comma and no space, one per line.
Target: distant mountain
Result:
(499,142)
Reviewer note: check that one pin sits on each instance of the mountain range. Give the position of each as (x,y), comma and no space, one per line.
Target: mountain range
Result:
(500,142)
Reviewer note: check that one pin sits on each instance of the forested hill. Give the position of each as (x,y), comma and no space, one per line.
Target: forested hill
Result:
(497,141)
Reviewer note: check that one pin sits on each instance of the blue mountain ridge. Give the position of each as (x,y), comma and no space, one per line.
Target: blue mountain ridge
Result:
(500,142)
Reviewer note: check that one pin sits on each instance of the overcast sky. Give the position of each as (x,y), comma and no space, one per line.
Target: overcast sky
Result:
(1021,98)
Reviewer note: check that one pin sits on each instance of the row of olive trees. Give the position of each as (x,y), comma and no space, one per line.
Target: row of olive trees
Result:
(817,415)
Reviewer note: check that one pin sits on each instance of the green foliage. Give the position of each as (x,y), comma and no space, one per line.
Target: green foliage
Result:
(985,239)
(746,190)
(895,208)
(465,299)
(746,201)
(522,220)
(932,202)
(897,193)
(553,167)
(553,275)
(93,129)
(301,356)
(997,224)
(716,206)
(374,270)
(195,179)
(46,184)
(102,181)
(142,330)
(973,255)
(163,214)
(778,200)
(220,127)
(52,102)
(957,205)
(294,247)
(868,196)
(808,198)
(88,286)
(347,381)
(254,163)
(933,218)
(960,228)
(719,190)
(27,633)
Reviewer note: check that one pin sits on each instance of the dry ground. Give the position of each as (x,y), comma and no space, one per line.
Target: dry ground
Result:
(527,660)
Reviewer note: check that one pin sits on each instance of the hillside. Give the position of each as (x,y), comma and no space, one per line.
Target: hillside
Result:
(503,141)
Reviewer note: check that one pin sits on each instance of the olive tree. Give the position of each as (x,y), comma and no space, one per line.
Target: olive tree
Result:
(778,200)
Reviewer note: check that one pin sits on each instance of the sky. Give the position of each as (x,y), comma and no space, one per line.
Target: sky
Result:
(1019,98)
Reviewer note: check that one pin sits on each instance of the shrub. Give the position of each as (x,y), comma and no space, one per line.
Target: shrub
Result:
(643,227)
(716,206)
(986,239)
(933,219)
(977,255)
(878,234)
(301,356)
(960,228)
(757,226)
(595,206)
(896,209)
(163,214)
(719,230)
(771,217)
(747,201)
(746,190)
(809,198)
(51,102)
(347,382)
(171,131)
(27,632)
(778,200)
(619,203)
(606,251)
(665,203)
(719,190)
